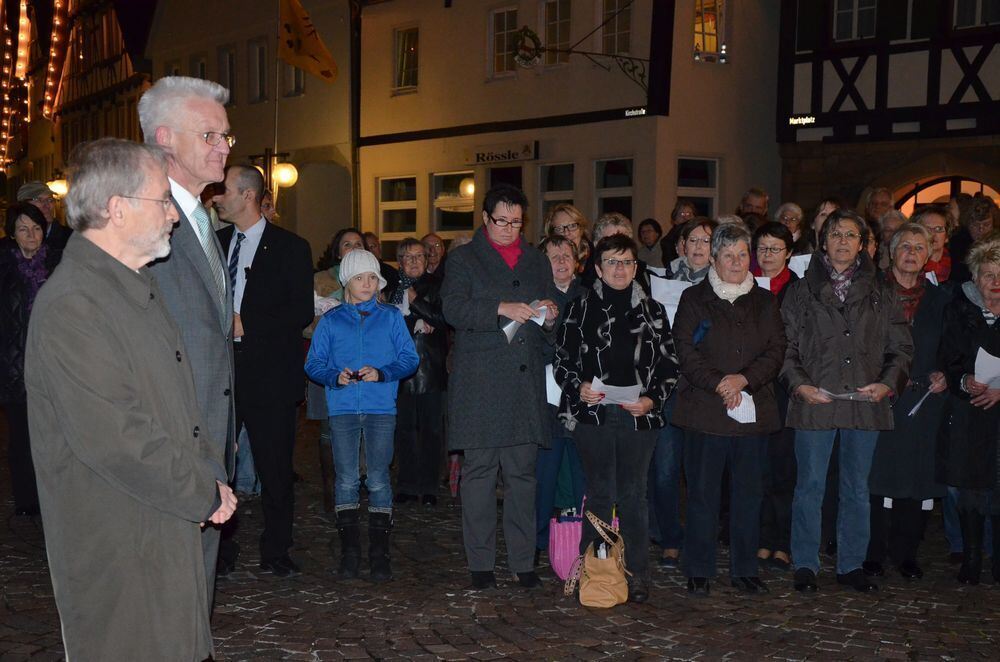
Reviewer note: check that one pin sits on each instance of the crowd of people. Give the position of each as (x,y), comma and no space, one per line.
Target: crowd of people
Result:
(820,408)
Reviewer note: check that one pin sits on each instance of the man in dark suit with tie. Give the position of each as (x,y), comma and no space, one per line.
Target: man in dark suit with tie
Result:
(187,118)
(270,270)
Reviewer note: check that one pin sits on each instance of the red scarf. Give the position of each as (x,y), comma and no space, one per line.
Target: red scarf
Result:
(510,254)
(778,282)
(909,298)
(941,268)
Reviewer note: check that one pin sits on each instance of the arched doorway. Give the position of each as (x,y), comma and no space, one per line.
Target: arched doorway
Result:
(940,190)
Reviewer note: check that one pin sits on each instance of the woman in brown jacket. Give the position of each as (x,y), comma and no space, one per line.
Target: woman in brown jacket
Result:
(730,341)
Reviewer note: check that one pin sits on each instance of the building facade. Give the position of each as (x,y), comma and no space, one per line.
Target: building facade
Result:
(659,99)
(901,94)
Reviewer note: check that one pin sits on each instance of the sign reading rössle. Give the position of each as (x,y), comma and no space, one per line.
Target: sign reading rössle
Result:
(488,154)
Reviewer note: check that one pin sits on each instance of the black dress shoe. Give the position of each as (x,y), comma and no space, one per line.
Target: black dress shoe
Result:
(483,579)
(528,579)
(873,569)
(857,580)
(780,565)
(638,591)
(699,586)
(280,566)
(430,500)
(910,570)
(751,585)
(804,581)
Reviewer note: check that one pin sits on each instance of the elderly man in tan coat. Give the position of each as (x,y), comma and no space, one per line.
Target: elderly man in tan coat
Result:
(126,476)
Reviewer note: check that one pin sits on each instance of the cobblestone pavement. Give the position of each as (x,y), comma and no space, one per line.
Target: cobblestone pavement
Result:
(427,612)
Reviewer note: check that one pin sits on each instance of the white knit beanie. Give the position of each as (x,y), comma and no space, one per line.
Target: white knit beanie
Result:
(357,262)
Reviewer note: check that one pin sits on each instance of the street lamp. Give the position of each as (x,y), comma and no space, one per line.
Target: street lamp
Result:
(277,174)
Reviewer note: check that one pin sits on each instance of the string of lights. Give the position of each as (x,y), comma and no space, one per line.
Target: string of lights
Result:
(57,55)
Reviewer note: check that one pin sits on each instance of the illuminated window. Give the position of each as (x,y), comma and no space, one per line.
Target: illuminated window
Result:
(709,18)
(557,21)
(617,20)
(407,56)
(453,206)
(503,29)
(854,19)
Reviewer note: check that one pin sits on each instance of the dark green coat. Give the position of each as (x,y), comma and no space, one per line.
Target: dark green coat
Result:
(125,474)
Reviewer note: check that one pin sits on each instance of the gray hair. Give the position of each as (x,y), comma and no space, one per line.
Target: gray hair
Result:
(985,251)
(786,207)
(161,103)
(909,228)
(729,234)
(892,213)
(732,219)
(406,245)
(612,219)
(102,169)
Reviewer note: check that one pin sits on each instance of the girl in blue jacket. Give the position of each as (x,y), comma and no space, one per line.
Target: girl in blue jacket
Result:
(359,352)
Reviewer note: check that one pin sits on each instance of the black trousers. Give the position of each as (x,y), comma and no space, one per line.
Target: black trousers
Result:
(897,531)
(419,442)
(22,469)
(779,488)
(271,430)
(705,458)
(615,458)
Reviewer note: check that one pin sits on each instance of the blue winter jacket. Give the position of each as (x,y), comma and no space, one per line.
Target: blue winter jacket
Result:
(353,336)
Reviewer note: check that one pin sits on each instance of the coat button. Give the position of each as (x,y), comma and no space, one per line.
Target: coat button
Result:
(848,360)
(196,431)
(516,283)
(226,392)
(520,341)
(524,368)
(847,333)
(178,356)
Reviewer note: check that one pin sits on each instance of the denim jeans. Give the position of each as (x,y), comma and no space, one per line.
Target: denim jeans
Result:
(245,480)
(346,431)
(812,454)
(665,483)
(547,476)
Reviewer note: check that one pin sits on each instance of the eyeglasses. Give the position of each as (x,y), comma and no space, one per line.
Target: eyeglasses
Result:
(503,222)
(167,202)
(702,240)
(786,218)
(849,235)
(613,262)
(416,257)
(46,200)
(937,229)
(213,138)
(989,277)
(773,250)
(561,258)
(563,229)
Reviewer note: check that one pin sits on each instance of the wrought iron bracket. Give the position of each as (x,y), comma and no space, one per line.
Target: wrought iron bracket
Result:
(528,52)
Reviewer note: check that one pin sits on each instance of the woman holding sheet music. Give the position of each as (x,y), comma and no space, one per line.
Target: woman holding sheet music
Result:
(617,334)
(730,341)
(849,347)
(971,462)
(903,471)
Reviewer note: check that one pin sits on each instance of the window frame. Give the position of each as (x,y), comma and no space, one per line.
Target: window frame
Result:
(435,206)
(855,13)
(228,74)
(612,192)
(603,31)
(556,196)
(700,191)
(708,55)
(978,25)
(491,42)
(199,61)
(559,59)
(257,57)
(394,205)
(397,33)
(293,81)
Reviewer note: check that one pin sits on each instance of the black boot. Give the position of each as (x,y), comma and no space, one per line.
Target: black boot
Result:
(972,546)
(350,543)
(995,520)
(326,470)
(378,546)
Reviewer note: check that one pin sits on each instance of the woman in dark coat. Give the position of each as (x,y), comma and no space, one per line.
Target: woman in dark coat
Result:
(730,342)
(773,244)
(847,337)
(903,469)
(420,400)
(618,334)
(968,451)
(25,264)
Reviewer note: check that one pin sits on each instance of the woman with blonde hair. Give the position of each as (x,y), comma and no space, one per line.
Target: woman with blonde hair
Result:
(565,220)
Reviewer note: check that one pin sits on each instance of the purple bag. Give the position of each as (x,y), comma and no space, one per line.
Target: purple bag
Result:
(565,532)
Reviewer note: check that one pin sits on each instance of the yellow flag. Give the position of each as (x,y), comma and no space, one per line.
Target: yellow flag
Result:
(299,44)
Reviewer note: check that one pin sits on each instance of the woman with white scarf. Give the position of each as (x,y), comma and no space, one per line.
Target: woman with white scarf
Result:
(730,342)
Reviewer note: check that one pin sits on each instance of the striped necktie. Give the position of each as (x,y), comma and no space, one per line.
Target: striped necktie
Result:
(234,260)
(204,225)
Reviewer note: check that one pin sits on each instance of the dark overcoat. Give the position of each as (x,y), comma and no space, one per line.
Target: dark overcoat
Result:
(496,391)
(842,346)
(968,442)
(904,463)
(125,474)
(715,338)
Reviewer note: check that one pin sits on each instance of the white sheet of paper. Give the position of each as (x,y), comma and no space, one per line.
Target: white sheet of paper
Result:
(987,368)
(799,263)
(927,504)
(920,403)
(552,391)
(745,412)
(668,292)
(763,281)
(659,271)
(932,277)
(616,395)
(539,319)
(854,396)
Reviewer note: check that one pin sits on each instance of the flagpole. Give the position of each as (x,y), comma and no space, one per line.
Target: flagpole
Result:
(277,70)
